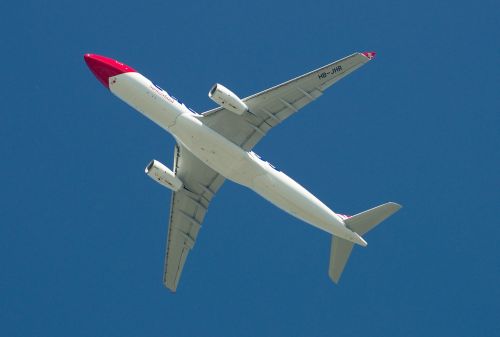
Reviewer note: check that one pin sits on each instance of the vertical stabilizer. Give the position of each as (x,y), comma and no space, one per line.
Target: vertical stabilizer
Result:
(339,254)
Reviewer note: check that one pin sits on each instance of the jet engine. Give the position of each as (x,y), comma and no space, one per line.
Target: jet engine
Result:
(163,175)
(227,99)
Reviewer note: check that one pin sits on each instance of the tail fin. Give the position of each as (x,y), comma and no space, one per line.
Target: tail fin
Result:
(360,223)
(340,252)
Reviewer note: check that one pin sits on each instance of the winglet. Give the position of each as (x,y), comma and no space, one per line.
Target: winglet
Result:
(369,54)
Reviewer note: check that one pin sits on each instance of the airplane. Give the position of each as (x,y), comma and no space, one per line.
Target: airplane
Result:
(217,145)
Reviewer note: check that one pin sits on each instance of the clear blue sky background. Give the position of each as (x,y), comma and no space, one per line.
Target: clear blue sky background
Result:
(82,228)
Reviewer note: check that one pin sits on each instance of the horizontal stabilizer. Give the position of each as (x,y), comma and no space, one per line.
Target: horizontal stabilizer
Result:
(363,222)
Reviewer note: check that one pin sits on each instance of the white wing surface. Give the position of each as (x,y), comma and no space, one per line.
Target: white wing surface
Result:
(272,106)
(187,210)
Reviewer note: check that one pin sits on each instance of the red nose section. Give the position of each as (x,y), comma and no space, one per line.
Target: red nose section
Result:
(103,67)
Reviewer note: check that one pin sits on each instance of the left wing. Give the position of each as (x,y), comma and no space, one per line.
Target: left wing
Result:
(270,107)
(187,210)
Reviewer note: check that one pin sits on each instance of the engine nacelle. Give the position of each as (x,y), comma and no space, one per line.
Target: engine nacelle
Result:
(163,175)
(227,99)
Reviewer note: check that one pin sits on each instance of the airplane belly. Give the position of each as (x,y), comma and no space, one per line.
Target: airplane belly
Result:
(207,145)
(141,94)
(294,199)
(214,150)
(248,170)
(224,156)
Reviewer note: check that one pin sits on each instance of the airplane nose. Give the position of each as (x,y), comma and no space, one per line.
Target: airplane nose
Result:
(104,67)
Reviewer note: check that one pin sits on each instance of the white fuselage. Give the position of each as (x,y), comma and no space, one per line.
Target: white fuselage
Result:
(217,152)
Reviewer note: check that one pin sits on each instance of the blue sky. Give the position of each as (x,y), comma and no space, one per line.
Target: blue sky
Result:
(82,228)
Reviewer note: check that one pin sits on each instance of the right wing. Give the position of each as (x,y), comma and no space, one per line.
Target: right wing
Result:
(272,106)
(187,210)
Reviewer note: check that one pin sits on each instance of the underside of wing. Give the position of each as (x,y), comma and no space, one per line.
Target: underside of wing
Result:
(188,208)
(272,106)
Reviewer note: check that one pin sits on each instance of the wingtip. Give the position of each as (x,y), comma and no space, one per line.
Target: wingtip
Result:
(395,205)
(369,54)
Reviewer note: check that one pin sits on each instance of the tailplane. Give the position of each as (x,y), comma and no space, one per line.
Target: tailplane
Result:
(360,223)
